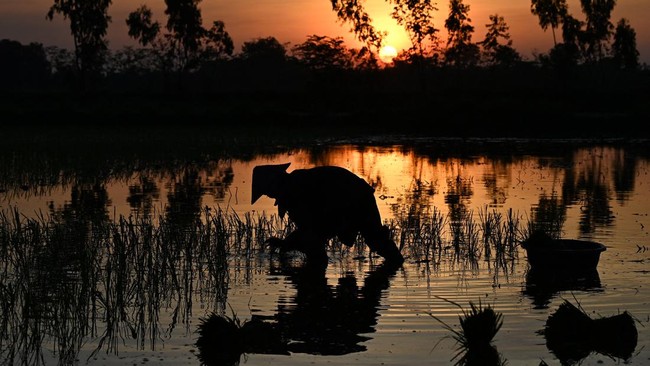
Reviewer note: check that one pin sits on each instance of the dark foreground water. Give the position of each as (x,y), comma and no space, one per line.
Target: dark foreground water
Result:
(103,290)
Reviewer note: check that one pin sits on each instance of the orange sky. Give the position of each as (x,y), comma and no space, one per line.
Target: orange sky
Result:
(291,21)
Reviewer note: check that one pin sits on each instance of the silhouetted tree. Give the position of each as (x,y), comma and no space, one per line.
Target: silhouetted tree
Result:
(417,19)
(352,11)
(141,26)
(186,44)
(184,205)
(88,24)
(495,52)
(264,50)
(599,28)
(624,48)
(62,64)
(184,23)
(572,32)
(217,42)
(262,64)
(549,12)
(22,65)
(187,41)
(148,33)
(323,53)
(133,68)
(566,55)
(364,59)
(569,53)
(460,49)
(130,60)
(563,57)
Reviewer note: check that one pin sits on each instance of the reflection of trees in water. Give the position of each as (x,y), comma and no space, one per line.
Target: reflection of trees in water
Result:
(88,202)
(186,185)
(459,191)
(416,221)
(463,229)
(30,171)
(50,277)
(592,189)
(143,194)
(362,159)
(497,193)
(589,177)
(77,275)
(218,180)
(428,234)
(624,166)
(595,210)
(548,215)
(587,174)
(184,201)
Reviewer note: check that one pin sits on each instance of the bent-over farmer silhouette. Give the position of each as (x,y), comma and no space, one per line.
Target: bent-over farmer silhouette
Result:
(324,202)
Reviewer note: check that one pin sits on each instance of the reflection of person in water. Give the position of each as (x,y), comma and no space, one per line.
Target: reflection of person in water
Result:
(320,319)
(328,320)
(324,202)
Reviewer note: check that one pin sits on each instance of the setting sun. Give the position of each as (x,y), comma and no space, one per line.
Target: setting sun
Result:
(387,54)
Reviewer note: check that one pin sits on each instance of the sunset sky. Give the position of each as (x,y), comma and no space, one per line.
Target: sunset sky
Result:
(291,21)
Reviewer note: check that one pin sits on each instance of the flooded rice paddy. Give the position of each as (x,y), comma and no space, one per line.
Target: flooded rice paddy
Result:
(120,261)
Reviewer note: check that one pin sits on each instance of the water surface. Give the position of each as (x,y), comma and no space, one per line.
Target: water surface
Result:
(597,191)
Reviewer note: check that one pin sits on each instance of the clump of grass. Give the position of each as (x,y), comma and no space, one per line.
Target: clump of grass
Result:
(571,334)
(219,339)
(223,339)
(478,326)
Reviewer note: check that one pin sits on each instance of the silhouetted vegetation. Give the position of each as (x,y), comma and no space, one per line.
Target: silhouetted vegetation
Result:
(186,46)
(461,51)
(417,19)
(183,71)
(478,326)
(88,26)
(624,46)
(223,339)
(496,53)
(550,13)
(571,334)
(23,67)
(77,270)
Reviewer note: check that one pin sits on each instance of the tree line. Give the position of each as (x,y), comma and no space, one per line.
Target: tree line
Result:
(182,48)
(594,40)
